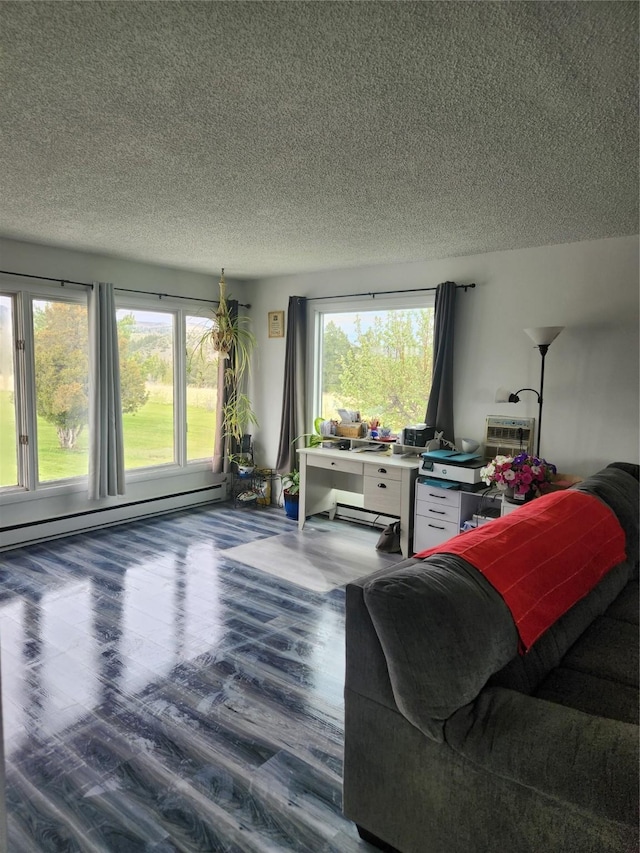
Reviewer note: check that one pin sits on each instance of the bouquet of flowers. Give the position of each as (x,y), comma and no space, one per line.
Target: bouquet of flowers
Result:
(522,473)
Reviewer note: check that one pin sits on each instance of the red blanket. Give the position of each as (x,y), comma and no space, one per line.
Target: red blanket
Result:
(543,558)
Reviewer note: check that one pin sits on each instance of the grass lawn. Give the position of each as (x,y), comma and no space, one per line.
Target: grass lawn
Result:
(148,440)
(8,461)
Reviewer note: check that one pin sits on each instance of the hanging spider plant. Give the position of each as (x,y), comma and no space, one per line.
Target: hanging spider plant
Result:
(233,340)
(237,414)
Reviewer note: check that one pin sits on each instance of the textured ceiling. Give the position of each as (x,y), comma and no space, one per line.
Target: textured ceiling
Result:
(280,137)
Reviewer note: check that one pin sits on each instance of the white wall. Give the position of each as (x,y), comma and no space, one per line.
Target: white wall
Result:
(22,509)
(591,410)
(591,399)
(51,261)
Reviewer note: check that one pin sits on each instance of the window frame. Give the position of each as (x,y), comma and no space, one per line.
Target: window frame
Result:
(346,305)
(32,407)
(208,316)
(19,405)
(23,295)
(125,302)
(176,306)
(29,484)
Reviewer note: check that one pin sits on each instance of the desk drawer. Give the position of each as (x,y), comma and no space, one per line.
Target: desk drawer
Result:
(384,472)
(382,495)
(428,533)
(437,511)
(347,466)
(432,494)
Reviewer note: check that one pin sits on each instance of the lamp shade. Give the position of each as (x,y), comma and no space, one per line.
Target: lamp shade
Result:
(544,335)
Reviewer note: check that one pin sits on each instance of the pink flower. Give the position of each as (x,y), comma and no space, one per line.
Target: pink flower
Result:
(522,473)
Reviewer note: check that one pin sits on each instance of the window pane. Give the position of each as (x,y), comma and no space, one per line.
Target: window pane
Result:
(60,336)
(8,436)
(378,363)
(202,384)
(145,342)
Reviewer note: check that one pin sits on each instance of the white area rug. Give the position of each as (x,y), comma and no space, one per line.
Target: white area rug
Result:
(316,560)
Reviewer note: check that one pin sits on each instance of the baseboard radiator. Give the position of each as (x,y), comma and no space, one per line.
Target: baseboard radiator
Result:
(53,528)
(363,516)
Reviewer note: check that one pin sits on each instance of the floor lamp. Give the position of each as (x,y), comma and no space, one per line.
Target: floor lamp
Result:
(543,337)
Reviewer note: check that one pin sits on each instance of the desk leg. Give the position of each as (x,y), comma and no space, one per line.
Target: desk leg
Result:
(317,492)
(302,494)
(406,510)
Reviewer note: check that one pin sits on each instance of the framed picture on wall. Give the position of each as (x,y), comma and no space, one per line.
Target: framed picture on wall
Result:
(276,324)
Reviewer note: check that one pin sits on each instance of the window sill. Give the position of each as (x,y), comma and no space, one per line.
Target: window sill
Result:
(61,488)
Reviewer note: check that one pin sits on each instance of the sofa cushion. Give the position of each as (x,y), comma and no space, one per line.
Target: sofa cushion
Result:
(626,606)
(525,672)
(630,467)
(607,649)
(444,630)
(591,694)
(619,489)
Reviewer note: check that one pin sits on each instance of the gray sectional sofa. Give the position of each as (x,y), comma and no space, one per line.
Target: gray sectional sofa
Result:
(456,743)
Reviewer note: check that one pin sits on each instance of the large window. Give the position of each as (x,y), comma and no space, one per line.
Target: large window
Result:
(146,346)
(375,361)
(8,428)
(168,386)
(202,389)
(61,352)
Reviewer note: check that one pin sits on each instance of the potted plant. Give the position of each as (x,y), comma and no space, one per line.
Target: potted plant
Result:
(520,477)
(231,337)
(244,464)
(323,435)
(290,491)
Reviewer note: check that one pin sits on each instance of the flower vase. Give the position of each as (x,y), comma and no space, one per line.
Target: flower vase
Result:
(512,498)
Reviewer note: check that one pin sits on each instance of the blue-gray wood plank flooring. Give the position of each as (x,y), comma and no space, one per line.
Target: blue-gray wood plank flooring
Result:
(158,697)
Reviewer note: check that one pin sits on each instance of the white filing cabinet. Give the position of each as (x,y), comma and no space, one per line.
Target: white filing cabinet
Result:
(440,512)
(437,515)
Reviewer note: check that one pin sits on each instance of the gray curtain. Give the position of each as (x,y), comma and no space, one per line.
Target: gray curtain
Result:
(440,405)
(293,398)
(221,448)
(106,442)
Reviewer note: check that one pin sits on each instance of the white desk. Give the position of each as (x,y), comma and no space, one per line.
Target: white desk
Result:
(378,482)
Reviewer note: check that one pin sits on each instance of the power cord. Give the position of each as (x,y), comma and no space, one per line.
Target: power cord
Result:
(484,503)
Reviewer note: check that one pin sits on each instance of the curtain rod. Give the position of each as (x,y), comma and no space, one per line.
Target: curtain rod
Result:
(174,296)
(63,281)
(373,294)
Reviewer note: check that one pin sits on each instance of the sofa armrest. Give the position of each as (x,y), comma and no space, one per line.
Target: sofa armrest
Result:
(573,757)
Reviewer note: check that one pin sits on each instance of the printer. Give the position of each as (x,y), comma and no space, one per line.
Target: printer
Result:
(462,468)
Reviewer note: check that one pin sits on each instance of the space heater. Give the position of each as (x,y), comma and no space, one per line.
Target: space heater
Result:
(508,436)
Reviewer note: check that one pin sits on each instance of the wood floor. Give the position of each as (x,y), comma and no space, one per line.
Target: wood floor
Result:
(159,696)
